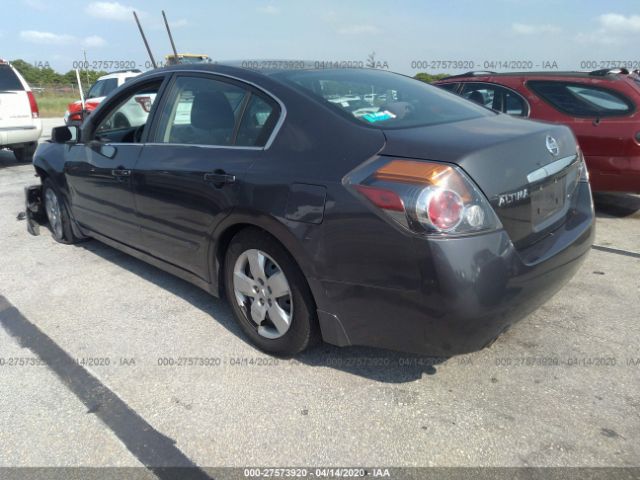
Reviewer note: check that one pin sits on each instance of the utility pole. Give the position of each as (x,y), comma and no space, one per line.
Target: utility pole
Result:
(86,64)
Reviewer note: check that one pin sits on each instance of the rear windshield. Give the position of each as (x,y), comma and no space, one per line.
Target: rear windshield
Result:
(8,79)
(383,99)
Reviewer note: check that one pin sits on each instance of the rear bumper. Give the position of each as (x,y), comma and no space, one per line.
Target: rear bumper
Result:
(20,135)
(473,288)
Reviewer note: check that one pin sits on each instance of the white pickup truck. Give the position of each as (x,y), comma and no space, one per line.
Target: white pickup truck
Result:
(20,124)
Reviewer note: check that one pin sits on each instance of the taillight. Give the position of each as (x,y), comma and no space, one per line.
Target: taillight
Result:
(424,197)
(582,167)
(35,113)
(145,103)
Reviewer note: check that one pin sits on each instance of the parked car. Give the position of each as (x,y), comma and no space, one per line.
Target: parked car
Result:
(601,107)
(98,92)
(20,124)
(428,226)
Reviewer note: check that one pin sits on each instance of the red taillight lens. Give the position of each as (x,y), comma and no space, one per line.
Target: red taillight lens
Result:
(382,198)
(145,103)
(442,208)
(424,197)
(35,113)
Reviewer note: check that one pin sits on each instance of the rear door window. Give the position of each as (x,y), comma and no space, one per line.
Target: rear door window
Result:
(9,80)
(201,111)
(206,111)
(496,97)
(580,100)
(257,123)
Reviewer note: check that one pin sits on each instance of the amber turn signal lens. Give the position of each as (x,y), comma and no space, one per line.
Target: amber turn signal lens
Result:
(424,173)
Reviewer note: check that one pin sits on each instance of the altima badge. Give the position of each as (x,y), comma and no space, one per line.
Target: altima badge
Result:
(505,199)
(552,146)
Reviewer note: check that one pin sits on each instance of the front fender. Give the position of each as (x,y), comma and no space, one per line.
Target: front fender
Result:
(49,159)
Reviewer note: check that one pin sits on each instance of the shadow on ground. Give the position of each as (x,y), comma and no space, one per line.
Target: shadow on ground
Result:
(616,205)
(7,159)
(376,364)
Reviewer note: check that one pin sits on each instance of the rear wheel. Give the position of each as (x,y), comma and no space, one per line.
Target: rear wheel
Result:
(57,214)
(269,295)
(25,154)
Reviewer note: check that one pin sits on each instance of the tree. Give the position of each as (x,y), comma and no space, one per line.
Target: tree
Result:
(428,77)
(48,77)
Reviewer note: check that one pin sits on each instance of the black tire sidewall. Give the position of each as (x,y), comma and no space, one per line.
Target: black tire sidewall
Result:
(67,233)
(303,329)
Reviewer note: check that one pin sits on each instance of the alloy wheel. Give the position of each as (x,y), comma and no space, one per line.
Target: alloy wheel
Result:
(263,294)
(52,207)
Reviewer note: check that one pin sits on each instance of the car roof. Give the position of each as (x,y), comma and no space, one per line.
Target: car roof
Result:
(610,74)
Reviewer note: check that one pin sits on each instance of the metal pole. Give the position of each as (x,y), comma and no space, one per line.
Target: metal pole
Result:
(173,45)
(144,39)
(80,88)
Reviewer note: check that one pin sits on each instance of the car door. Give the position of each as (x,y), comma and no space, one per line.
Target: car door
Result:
(99,170)
(209,131)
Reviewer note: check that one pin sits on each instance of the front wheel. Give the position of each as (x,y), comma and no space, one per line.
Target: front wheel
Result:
(57,214)
(269,295)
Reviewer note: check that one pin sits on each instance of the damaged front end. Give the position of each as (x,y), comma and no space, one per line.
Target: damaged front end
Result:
(34,211)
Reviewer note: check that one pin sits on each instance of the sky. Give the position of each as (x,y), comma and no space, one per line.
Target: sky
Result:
(400,32)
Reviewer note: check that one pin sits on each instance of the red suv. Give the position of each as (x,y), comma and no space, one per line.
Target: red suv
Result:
(601,107)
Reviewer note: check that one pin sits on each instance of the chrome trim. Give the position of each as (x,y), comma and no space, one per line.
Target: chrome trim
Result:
(231,147)
(551,169)
(277,126)
(29,127)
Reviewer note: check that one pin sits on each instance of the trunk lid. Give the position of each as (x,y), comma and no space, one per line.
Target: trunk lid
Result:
(529,186)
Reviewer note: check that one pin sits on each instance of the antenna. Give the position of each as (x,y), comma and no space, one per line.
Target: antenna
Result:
(144,39)
(173,45)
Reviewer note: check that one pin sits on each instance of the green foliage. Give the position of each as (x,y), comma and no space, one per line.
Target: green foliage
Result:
(428,77)
(46,76)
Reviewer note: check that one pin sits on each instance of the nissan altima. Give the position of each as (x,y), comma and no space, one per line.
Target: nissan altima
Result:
(354,206)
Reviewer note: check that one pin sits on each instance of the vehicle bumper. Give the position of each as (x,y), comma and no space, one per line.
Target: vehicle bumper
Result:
(34,208)
(19,136)
(473,289)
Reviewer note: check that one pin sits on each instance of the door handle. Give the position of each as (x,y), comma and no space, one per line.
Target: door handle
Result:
(121,172)
(219,178)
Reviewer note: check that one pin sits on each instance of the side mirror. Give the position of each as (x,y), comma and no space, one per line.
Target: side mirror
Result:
(65,134)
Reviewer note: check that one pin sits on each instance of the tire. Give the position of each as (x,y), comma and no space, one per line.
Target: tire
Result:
(268,294)
(57,214)
(25,154)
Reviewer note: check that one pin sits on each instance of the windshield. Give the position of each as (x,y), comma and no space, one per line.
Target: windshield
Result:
(102,88)
(383,99)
